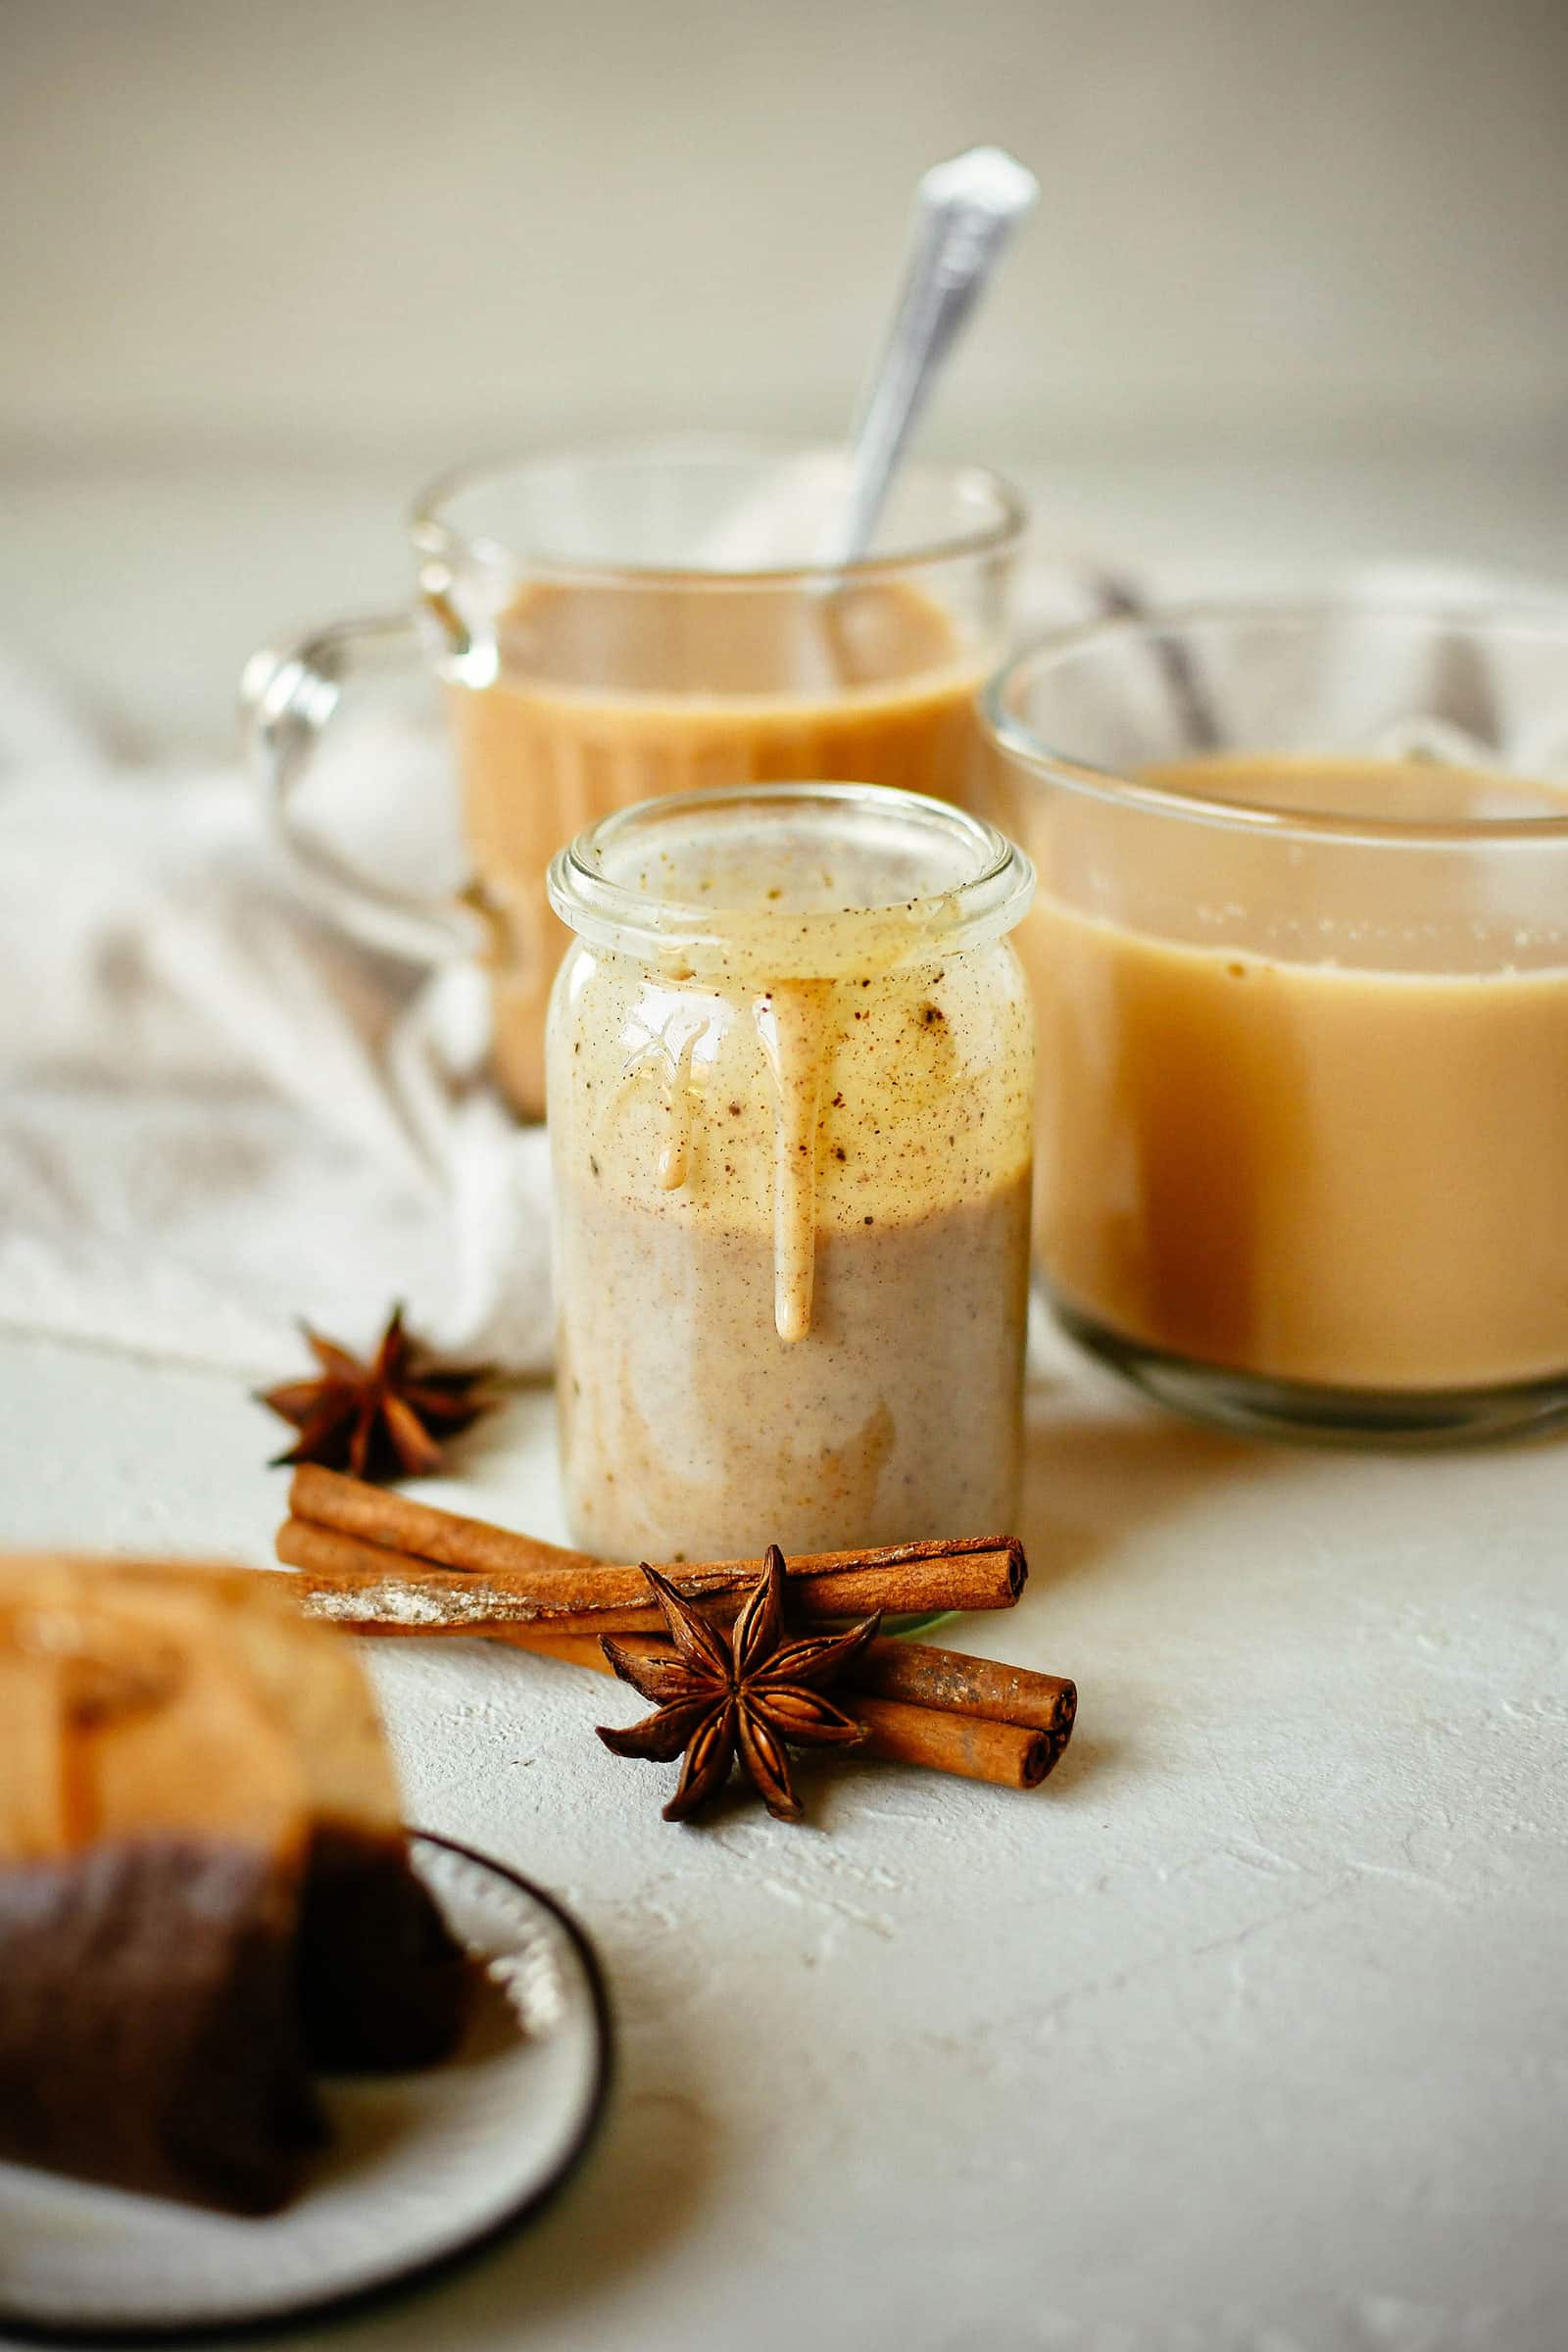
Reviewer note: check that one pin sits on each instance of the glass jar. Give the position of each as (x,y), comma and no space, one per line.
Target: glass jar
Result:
(791,1066)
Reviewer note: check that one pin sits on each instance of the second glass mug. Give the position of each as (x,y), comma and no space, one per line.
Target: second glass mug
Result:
(631,620)
(1300,956)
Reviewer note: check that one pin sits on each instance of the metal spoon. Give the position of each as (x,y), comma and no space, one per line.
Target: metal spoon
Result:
(965,212)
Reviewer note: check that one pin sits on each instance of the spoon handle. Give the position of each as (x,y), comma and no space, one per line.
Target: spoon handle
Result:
(965,211)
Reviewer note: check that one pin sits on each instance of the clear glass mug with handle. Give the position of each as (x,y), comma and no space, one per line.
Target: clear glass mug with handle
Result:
(616,623)
(1300,958)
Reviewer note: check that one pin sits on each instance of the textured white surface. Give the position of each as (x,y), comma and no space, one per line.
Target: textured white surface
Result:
(1246,2034)
(479,219)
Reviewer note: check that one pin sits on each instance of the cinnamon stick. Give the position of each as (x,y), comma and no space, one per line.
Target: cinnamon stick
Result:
(947,1679)
(371,1589)
(519,1579)
(395,1521)
(1006,1754)
(379,1562)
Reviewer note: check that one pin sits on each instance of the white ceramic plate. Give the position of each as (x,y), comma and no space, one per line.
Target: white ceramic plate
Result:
(423,2168)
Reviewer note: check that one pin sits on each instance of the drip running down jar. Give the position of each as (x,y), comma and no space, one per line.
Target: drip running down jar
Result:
(791,1088)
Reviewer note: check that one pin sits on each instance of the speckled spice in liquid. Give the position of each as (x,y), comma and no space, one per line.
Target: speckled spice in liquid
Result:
(791,1229)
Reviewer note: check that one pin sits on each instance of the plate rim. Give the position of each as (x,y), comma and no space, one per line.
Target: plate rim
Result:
(424,2269)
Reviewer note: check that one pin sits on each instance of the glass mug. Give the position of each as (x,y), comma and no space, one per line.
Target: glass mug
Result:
(637,620)
(1299,956)
(791,1105)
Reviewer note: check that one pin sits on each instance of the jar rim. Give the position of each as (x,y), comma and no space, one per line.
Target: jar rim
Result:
(991,888)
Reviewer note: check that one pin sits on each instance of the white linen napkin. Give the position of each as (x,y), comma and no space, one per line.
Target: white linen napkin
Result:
(215,1114)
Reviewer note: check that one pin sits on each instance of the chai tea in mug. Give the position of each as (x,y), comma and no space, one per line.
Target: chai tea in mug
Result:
(1303,1130)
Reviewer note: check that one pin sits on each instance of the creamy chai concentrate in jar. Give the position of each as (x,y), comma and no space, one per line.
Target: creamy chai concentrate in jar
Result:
(791,1074)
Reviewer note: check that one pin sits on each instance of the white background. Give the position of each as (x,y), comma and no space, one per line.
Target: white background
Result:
(1294,294)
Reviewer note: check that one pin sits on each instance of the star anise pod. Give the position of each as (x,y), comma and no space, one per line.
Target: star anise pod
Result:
(387,1418)
(752,1694)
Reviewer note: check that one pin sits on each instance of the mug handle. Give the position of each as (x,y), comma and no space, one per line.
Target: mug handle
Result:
(288,694)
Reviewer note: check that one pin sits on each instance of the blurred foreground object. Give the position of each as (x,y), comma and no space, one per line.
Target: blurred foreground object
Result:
(204,1889)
